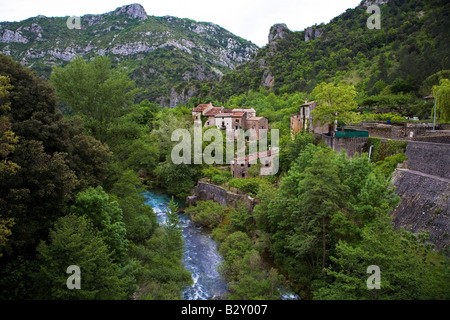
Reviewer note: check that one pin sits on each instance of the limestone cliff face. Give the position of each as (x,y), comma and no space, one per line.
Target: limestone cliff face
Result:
(133,11)
(278,31)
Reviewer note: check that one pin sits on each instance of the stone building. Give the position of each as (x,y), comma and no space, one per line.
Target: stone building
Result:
(200,110)
(240,166)
(257,123)
(231,120)
(303,120)
(211,115)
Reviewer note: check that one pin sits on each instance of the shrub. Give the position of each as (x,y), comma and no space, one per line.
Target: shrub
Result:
(207,213)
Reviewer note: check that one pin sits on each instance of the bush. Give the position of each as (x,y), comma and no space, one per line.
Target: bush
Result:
(388,166)
(249,185)
(207,213)
(381,150)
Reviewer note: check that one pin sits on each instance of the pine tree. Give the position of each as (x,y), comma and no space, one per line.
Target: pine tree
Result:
(73,241)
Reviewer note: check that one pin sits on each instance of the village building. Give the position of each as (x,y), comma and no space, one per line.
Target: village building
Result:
(257,124)
(249,113)
(240,166)
(211,115)
(230,120)
(428,98)
(200,110)
(303,120)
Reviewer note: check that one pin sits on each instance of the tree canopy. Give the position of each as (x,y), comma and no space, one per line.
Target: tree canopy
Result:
(95,90)
(336,103)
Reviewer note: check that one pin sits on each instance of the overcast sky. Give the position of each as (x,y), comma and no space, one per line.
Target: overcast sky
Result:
(249,19)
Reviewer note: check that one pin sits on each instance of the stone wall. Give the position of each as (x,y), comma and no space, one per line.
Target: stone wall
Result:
(424,188)
(435,138)
(429,158)
(403,131)
(206,191)
(351,145)
(424,206)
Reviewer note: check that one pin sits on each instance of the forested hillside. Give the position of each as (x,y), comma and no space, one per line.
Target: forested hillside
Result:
(389,66)
(168,56)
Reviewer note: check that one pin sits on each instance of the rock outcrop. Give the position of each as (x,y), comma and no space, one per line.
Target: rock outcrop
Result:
(278,31)
(12,36)
(133,11)
(312,34)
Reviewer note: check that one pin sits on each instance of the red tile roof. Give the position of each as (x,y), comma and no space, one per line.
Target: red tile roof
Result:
(238,114)
(213,112)
(201,107)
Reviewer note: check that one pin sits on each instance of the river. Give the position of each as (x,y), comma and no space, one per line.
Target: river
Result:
(201,256)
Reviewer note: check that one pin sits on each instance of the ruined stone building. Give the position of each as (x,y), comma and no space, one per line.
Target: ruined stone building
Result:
(303,120)
(240,166)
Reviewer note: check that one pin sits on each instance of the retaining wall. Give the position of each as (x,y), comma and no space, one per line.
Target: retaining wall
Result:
(430,158)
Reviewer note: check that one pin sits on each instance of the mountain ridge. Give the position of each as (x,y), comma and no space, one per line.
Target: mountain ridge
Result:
(181,51)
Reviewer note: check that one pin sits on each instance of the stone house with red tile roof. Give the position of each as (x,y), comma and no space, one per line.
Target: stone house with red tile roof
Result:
(231,120)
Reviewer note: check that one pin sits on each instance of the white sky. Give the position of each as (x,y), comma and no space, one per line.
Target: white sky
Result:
(249,19)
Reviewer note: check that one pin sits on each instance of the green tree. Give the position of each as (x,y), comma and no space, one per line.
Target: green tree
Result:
(56,159)
(336,103)
(106,216)
(7,137)
(7,167)
(321,196)
(5,232)
(207,213)
(172,227)
(97,92)
(408,269)
(442,94)
(178,180)
(73,241)
(139,218)
(255,281)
